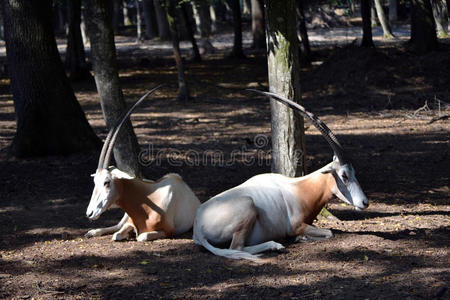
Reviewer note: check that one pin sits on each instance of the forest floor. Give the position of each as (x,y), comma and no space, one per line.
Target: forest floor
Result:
(387,107)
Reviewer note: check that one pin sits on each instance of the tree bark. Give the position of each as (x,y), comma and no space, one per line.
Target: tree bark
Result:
(161,17)
(367,40)
(49,117)
(387,31)
(303,32)
(149,19)
(115,14)
(284,79)
(126,14)
(440,15)
(246,9)
(237,29)
(183,92)
(75,55)
(259,38)
(423,33)
(202,14)
(103,56)
(139,37)
(190,32)
(373,15)
(393,10)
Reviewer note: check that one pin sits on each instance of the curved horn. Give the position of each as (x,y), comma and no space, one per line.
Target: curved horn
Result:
(116,129)
(101,159)
(322,127)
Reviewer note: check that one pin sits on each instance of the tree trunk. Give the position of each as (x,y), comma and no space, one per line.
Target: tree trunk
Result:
(103,56)
(237,29)
(423,33)
(303,32)
(387,31)
(246,10)
(393,10)
(373,15)
(161,17)
(259,38)
(202,14)
(75,55)
(139,37)
(284,79)
(440,17)
(49,117)
(367,40)
(190,32)
(183,92)
(115,14)
(61,18)
(126,14)
(149,19)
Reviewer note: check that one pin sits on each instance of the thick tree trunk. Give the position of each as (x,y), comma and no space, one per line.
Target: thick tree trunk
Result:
(367,40)
(259,38)
(190,32)
(75,55)
(423,33)
(149,19)
(393,10)
(387,31)
(303,32)
(161,17)
(284,79)
(237,29)
(49,118)
(103,56)
(183,92)
(115,14)
(440,17)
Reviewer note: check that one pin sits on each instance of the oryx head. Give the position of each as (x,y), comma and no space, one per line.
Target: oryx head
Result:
(105,192)
(347,186)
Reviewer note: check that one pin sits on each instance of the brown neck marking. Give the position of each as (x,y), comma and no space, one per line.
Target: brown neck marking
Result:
(142,204)
(313,192)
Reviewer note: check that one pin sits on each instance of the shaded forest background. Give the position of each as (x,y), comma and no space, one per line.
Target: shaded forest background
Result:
(387,102)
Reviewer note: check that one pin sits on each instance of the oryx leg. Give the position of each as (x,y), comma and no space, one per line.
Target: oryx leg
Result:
(107,230)
(271,245)
(123,232)
(242,229)
(152,235)
(312,233)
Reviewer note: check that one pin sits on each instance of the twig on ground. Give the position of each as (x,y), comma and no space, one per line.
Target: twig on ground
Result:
(438,118)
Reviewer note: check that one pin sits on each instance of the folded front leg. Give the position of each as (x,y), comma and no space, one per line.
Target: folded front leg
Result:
(149,236)
(107,230)
(311,233)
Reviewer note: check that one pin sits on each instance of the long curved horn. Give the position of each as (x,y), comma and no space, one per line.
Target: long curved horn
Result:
(116,129)
(101,159)
(322,127)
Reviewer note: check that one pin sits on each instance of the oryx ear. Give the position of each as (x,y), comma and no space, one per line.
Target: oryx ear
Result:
(331,167)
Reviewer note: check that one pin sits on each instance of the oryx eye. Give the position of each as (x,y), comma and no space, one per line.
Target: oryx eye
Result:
(107,183)
(345,177)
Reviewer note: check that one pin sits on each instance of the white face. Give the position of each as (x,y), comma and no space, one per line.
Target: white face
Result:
(103,195)
(348,188)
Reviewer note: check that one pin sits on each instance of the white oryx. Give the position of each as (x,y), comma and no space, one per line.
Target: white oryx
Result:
(153,209)
(268,207)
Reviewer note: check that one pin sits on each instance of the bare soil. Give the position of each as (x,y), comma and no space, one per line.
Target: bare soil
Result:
(378,102)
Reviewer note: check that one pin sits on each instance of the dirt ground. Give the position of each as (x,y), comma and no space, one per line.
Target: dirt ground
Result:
(383,105)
